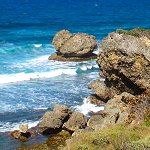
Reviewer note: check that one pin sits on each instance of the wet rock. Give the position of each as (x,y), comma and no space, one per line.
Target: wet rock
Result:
(52,121)
(76,121)
(73,47)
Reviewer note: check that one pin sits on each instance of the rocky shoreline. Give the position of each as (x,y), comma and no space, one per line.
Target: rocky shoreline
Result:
(124,62)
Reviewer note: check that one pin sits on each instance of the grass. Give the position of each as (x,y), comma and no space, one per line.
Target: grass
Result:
(128,32)
(147,120)
(137,32)
(116,138)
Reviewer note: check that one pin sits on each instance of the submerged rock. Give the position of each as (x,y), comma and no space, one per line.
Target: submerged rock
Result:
(73,47)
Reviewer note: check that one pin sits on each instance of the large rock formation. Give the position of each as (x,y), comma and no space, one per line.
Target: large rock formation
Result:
(124,62)
(79,46)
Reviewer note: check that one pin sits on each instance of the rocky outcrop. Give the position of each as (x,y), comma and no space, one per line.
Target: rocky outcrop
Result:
(124,62)
(73,47)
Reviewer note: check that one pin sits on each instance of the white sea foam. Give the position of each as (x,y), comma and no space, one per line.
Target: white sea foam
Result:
(37,45)
(87,107)
(7,126)
(10,78)
(84,68)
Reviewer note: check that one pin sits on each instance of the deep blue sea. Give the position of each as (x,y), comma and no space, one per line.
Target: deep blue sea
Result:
(29,83)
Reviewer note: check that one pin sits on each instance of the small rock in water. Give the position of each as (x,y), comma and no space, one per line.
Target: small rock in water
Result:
(23,128)
(22,134)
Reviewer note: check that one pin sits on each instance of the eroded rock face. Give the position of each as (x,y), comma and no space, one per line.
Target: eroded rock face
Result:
(73,46)
(125,63)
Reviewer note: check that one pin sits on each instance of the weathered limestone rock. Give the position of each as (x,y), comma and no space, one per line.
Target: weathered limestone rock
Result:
(125,63)
(73,47)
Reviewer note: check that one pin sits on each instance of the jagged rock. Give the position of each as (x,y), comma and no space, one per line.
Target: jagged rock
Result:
(76,121)
(73,47)
(52,121)
(100,89)
(124,61)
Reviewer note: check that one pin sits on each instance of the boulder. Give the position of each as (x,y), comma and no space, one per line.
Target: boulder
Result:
(52,121)
(72,47)
(76,121)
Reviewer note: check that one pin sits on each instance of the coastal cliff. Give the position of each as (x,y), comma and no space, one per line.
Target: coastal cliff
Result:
(124,62)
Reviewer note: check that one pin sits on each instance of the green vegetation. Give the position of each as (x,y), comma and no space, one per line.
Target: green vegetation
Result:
(116,138)
(128,32)
(138,32)
(147,120)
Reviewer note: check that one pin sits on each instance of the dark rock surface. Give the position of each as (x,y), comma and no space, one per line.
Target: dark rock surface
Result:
(72,47)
